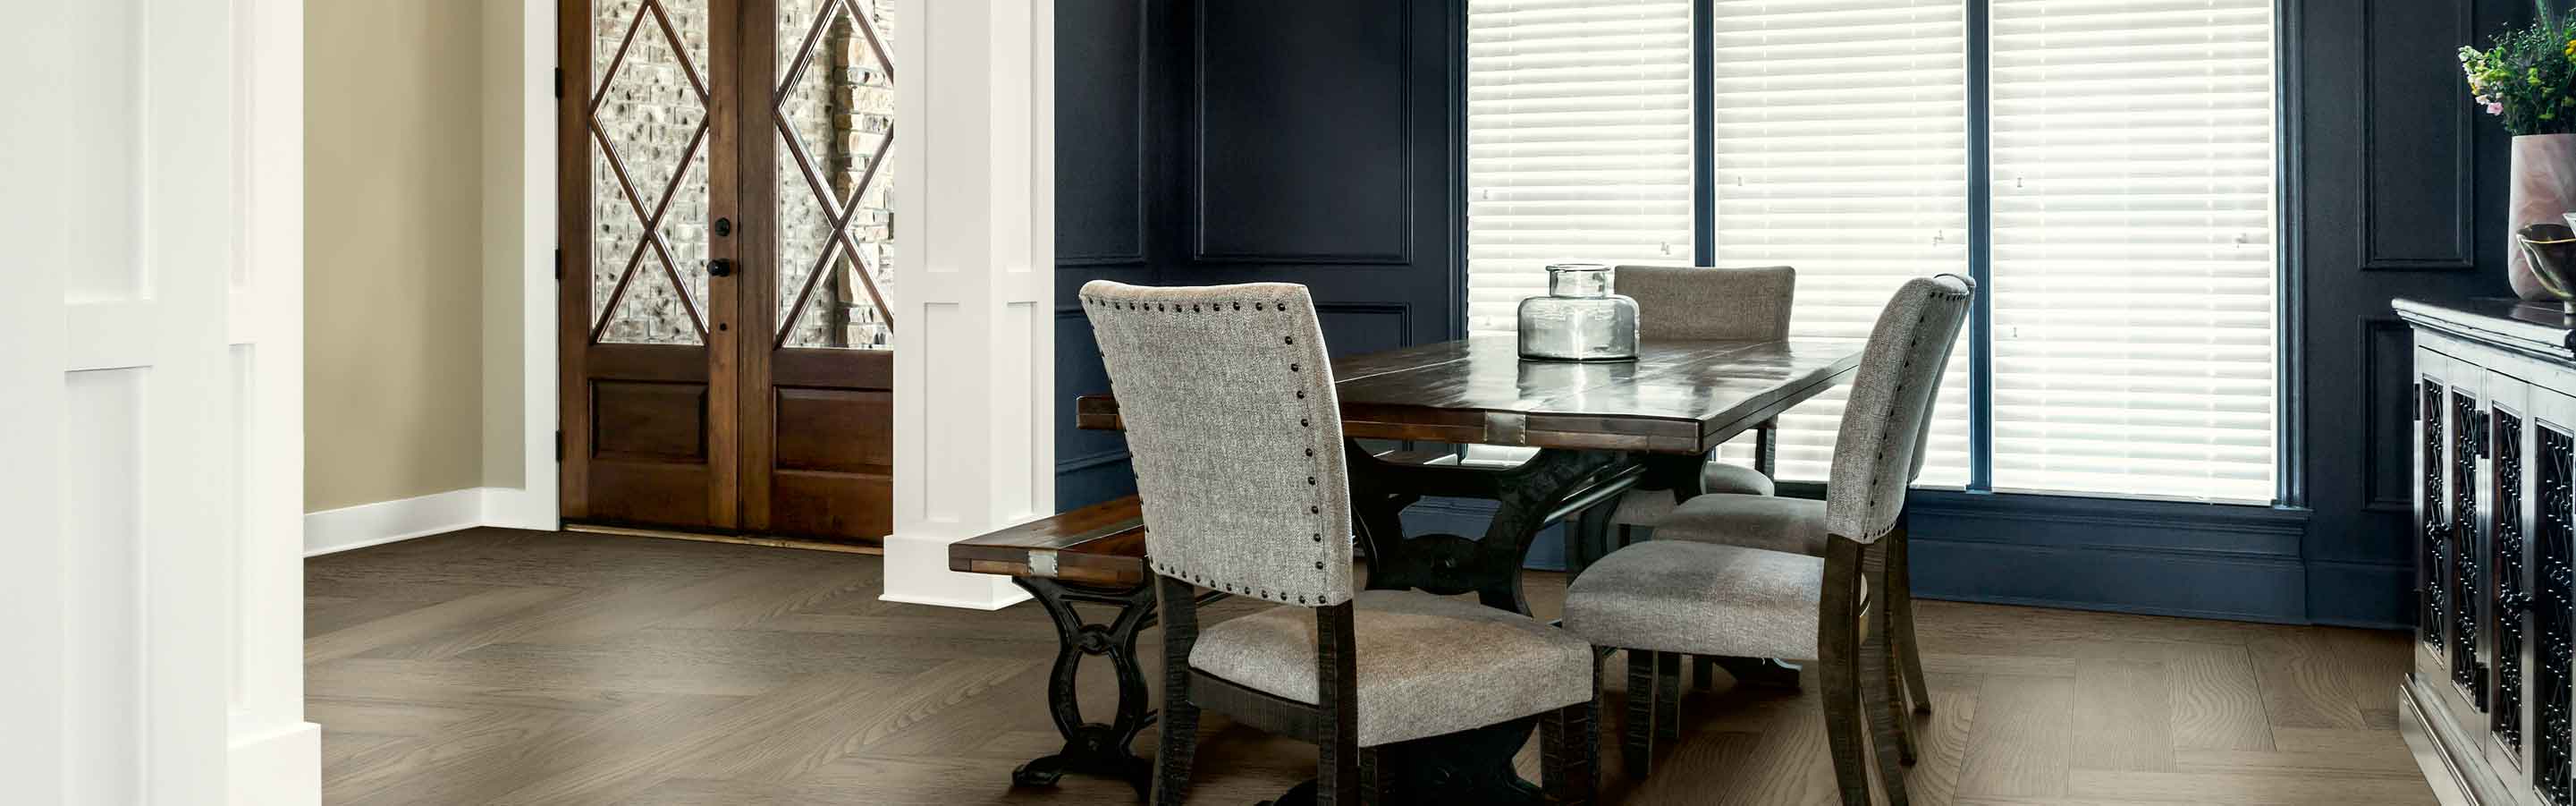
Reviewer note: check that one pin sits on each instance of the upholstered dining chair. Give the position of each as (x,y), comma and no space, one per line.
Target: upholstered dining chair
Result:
(1227,397)
(1774,590)
(1676,303)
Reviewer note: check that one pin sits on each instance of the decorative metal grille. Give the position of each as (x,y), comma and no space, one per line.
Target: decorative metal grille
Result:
(2435,585)
(2506,543)
(2553,614)
(2466,671)
(836,244)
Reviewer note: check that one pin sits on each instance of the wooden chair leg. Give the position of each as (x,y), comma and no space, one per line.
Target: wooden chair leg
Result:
(1838,659)
(1180,746)
(1668,695)
(1372,778)
(1881,669)
(1337,740)
(1180,718)
(1637,736)
(1567,759)
(1884,679)
(1900,614)
(1883,703)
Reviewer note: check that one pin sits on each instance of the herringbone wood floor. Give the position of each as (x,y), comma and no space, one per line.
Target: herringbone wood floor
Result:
(496,666)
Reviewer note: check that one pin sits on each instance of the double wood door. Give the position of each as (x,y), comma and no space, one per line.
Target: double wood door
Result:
(726,234)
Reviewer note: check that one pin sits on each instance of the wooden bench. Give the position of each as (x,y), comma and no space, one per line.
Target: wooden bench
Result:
(1102,544)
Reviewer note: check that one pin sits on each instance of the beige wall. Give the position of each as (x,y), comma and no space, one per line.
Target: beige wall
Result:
(503,230)
(396,247)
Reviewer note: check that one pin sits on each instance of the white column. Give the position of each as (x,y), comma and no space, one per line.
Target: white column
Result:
(150,370)
(974,334)
(274,754)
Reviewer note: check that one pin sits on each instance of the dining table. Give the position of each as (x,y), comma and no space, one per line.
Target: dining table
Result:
(1600,429)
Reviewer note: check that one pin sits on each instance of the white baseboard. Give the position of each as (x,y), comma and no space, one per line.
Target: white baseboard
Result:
(280,767)
(521,508)
(916,572)
(384,522)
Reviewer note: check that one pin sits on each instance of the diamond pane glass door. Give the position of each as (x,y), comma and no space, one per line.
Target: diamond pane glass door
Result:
(835,126)
(649,286)
(818,376)
(648,187)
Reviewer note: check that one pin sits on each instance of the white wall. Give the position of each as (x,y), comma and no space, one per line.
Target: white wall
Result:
(150,377)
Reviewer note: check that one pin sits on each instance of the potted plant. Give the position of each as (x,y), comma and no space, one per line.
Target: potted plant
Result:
(2526,79)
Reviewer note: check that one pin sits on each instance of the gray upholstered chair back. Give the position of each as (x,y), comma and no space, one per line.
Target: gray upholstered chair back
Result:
(1675,302)
(1236,436)
(1880,448)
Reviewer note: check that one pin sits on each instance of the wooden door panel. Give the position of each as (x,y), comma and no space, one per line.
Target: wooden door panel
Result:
(835,430)
(831,505)
(649,421)
(649,494)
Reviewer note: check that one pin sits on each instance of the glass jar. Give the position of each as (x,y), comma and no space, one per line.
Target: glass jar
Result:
(1579,319)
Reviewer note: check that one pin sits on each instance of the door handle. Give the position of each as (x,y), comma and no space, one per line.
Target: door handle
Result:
(720,267)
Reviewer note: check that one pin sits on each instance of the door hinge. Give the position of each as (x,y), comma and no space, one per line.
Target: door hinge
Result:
(558,82)
(2414,405)
(558,446)
(558,264)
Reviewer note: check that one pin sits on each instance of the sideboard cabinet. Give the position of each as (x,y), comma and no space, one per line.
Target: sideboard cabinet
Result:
(2486,705)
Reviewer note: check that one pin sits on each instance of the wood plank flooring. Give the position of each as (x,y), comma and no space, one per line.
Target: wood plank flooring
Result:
(509,667)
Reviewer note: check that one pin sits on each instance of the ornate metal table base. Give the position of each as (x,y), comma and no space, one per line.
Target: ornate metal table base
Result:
(1092,748)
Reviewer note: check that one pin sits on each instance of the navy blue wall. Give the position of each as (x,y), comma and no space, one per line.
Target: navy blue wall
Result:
(1222,141)
(1206,141)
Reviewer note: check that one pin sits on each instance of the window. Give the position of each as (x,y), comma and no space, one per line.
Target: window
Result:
(2133,265)
(1578,144)
(2129,252)
(1842,150)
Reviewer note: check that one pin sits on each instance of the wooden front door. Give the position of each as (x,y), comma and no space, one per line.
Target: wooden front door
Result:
(727,363)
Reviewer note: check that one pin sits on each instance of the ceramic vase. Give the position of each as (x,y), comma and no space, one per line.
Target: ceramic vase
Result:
(2544,190)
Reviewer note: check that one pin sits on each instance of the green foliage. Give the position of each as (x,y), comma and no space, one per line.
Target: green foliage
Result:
(2527,76)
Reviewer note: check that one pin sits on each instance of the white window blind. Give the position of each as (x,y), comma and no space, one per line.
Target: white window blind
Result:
(1578,142)
(1842,151)
(2133,250)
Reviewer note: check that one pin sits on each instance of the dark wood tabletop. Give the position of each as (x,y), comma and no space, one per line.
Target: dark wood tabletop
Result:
(1680,397)
(1101,544)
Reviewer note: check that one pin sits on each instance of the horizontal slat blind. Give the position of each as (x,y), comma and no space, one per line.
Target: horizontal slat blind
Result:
(1842,151)
(1578,142)
(2133,252)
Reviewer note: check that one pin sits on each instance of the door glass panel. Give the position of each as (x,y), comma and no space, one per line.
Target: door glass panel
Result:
(649,172)
(836,206)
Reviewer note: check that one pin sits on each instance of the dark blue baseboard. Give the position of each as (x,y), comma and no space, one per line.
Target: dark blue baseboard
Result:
(2361,594)
(2156,557)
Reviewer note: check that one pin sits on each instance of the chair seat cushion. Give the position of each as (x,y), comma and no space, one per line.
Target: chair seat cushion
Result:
(1651,507)
(1428,665)
(1699,598)
(1794,525)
